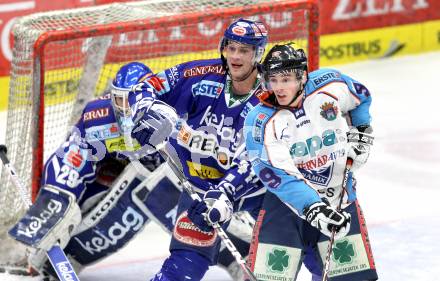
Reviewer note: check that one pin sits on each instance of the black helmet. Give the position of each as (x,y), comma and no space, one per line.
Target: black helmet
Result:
(284,58)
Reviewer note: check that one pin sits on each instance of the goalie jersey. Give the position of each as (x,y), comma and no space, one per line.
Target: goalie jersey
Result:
(210,140)
(96,151)
(300,153)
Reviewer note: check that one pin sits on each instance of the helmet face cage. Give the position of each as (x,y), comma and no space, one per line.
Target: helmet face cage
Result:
(127,76)
(119,98)
(284,59)
(247,32)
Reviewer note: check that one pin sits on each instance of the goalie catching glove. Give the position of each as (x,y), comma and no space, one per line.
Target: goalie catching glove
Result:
(324,217)
(214,208)
(360,140)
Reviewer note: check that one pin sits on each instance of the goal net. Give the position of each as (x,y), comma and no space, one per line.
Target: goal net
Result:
(62,59)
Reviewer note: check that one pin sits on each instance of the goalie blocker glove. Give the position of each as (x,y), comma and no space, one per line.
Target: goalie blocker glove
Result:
(360,140)
(49,221)
(324,217)
(154,121)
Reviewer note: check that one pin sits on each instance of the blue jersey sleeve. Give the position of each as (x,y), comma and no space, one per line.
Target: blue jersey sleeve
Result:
(74,163)
(354,98)
(360,115)
(170,86)
(280,175)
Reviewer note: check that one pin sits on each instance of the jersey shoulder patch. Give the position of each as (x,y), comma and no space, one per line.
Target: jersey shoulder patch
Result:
(320,78)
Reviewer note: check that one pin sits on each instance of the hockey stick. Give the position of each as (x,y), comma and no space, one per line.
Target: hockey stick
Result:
(56,255)
(221,233)
(326,270)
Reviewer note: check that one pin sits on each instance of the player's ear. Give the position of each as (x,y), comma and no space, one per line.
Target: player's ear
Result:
(304,77)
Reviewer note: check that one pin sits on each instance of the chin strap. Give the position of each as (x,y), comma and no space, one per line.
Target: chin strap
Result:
(297,95)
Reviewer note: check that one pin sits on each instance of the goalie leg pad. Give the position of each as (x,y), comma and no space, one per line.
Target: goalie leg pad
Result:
(136,197)
(112,223)
(158,196)
(51,220)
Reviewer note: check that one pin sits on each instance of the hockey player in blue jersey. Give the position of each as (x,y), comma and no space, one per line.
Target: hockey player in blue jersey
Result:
(98,190)
(85,202)
(212,97)
(298,140)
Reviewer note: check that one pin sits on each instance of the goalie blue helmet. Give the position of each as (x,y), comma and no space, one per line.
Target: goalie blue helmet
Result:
(128,75)
(247,32)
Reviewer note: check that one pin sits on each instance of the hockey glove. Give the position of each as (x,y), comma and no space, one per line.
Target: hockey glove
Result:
(153,123)
(325,218)
(214,208)
(360,140)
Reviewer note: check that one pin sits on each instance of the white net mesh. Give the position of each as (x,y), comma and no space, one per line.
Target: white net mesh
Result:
(87,48)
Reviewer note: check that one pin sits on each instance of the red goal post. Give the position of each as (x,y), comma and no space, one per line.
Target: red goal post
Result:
(62,59)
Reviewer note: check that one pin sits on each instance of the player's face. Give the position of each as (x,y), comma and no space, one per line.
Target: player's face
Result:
(285,86)
(122,103)
(240,59)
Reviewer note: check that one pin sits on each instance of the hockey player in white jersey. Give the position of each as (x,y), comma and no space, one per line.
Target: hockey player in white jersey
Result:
(98,191)
(299,139)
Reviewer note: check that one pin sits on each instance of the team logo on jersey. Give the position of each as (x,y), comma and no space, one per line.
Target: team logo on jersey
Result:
(320,176)
(329,111)
(96,114)
(102,132)
(207,88)
(76,157)
(187,232)
(312,145)
(159,83)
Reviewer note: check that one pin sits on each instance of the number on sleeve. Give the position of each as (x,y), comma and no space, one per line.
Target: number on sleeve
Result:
(270,178)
